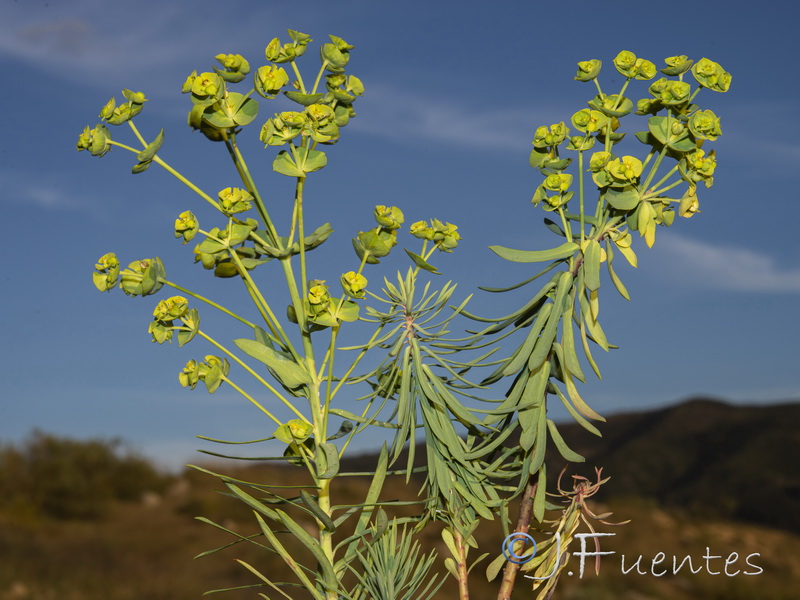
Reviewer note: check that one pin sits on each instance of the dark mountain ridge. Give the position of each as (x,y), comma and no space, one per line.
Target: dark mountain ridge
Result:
(702,456)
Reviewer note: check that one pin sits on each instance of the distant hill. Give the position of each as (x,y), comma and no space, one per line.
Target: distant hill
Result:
(705,456)
(702,456)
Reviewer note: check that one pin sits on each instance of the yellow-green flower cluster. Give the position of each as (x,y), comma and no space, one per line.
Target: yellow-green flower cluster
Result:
(554,135)
(627,169)
(186,226)
(670,92)
(211,372)
(444,235)
(167,311)
(354,284)
(711,75)
(236,67)
(269,79)
(389,217)
(630,66)
(588,69)
(97,140)
(203,86)
(293,431)
(704,125)
(557,182)
(143,277)
(317,121)
(116,115)
(599,160)
(234,200)
(701,167)
(106,272)
(676,65)
(277,53)
(318,297)
(589,121)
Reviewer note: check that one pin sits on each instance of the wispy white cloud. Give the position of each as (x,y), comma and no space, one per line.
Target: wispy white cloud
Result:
(406,117)
(20,189)
(88,37)
(726,267)
(107,42)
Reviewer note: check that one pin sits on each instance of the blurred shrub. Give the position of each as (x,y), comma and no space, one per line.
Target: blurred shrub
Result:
(53,476)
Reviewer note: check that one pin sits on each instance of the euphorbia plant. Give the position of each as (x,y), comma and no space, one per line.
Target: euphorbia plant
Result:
(480,453)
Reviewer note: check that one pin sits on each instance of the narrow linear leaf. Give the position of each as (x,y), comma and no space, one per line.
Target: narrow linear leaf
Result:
(565,250)
(288,558)
(317,511)
(312,544)
(422,263)
(539,497)
(591,265)
(326,457)
(623,291)
(561,445)
(545,343)
(571,361)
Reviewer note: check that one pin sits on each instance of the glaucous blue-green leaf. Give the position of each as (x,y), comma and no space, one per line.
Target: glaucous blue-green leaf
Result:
(345,428)
(420,262)
(563,449)
(591,264)
(326,457)
(565,250)
(314,160)
(303,99)
(150,151)
(288,372)
(623,198)
(348,312)
(285,165)
(315,509)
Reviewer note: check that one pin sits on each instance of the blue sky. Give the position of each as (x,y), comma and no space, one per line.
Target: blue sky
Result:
(454,92)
